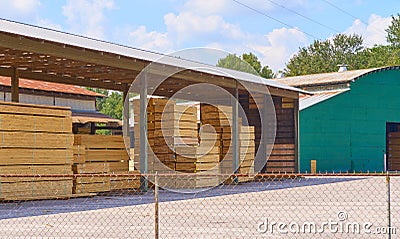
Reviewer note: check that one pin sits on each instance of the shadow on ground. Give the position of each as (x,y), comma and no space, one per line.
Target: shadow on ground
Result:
(126,198)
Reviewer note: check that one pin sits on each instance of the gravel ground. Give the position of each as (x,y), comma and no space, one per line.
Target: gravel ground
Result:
(248,210)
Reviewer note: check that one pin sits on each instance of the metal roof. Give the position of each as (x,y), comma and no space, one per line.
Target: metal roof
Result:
(24,30)
(306,101)
(330,78)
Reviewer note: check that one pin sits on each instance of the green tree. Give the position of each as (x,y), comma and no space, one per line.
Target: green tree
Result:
(393,31)
(324,56)
(247,63)
(99,100)
(113,105)
(379,56)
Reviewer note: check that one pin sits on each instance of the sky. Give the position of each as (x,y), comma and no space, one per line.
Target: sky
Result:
(272,29)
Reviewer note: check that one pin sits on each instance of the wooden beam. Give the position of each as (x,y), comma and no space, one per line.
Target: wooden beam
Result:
(14,85)
(283,93)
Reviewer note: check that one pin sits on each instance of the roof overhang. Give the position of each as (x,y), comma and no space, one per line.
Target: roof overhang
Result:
(84,117)
(53,56)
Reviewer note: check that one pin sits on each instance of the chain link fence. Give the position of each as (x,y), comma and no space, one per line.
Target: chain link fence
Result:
(179,206)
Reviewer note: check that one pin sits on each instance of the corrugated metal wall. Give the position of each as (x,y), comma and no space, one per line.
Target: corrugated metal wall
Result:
(348,131)
(75,104)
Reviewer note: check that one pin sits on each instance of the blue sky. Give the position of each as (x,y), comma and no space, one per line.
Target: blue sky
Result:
(170,25)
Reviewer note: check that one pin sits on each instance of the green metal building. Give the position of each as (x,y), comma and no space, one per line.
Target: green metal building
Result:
(351,121)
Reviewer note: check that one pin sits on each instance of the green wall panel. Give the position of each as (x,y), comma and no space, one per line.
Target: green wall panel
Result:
(348,132)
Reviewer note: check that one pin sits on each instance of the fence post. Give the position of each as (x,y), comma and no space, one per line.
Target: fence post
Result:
(156,214)
(388,204)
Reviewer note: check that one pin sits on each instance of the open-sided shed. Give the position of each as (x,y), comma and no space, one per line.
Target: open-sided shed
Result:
(41,54)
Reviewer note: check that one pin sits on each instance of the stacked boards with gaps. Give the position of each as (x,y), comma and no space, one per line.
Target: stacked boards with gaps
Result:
(35,140)
(283,153)
(220,118)
(168,126)
(101,154)
(174,139)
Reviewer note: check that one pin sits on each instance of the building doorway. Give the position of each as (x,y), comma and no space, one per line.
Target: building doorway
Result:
(393,146)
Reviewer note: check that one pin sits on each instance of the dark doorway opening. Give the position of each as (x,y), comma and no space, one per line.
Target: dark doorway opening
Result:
(393,146)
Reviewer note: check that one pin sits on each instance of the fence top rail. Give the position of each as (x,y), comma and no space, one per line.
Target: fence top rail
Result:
(178,174)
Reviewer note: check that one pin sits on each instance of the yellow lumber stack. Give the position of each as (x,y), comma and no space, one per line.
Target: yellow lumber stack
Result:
(169,126)
(220,117)
(35,139)
(247,152)
(100,154)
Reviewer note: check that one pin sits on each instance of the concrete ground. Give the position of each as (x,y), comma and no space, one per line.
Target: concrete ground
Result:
(248,210)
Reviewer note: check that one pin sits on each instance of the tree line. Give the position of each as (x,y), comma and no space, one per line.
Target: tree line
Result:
(325,56)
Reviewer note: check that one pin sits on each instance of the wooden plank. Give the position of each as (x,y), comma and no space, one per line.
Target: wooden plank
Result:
(35,140)
(118,166)
(281,164)
(31,109)
(92,187)
(20,190)
(106,155)
(91,168)
(13,156)
(33,123)
(36,169)
(33,179)
(100,141)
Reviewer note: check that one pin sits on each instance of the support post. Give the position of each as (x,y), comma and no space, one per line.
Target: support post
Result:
(143,134)
(235,132)
(262,164)
(388,205)
(296,136)
(125,118)
(14,85)
(156,211)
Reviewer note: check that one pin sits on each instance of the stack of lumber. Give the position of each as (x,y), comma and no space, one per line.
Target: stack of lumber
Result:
(197,159)
(35,139)
(281,158)
(247,151)
(169,126)
(100,154)
(202,160)
(220,118)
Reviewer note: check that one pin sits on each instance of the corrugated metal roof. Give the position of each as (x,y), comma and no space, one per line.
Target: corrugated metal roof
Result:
(102,46)
(49,86)
(330,78)
(310,100)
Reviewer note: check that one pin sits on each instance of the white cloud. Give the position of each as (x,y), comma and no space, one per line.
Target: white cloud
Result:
(87,16)
(374,32)
(280,46)
(151,40)
(202,22)
(188,25)
(18,7)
